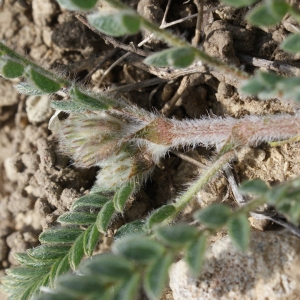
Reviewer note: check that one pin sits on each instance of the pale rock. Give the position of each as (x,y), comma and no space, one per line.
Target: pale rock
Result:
(43,11)
(269,270)
(38,108)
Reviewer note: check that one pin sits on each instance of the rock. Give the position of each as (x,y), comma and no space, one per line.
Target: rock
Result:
(269,270)
(38,108)
(43,11)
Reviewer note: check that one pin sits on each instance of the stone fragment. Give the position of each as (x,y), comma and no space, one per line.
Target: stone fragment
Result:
(269,270)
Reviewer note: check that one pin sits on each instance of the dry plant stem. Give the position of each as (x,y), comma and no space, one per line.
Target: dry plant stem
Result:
(187,158)
(136,86)
(196,39)
(189,195)
(270,65)
(169,106)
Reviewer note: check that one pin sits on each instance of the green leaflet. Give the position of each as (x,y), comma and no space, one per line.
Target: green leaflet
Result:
(27,88)
(67,106)
(161,214)
(77,218)
(26,260)
(156,276)
(292,43)
(77,4)
(176,235)
(10,68)
(239,231)
(42,82)
(255,186)
(178,57)
(122,195)
(137,248)
(90,201)
(135,227)
(128,289)
(76,252)
(104,216)
(109,267)
(239,3)
(63,235)
(194,254)
(48,252)
(90,239)
(214,216)
(117,23)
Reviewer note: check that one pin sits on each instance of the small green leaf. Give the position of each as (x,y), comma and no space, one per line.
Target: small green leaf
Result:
(239,231)
(122,195)
(28,89)
(104,216)
(278,7)
(180,57)
(77,218)
(135,227)
(194,255)
(161,214)
(10,68)
(42,82)
(137,248)
(128,289)
(53,271)
(255,186)
(156,276)
(48,252)
(292,43)
(26,260)
(63,267)
(214,216)
(61,235)
(117,23)
(90,201)
(77,4)
(262,15)
(22,273)
(109,267)
(90,239)
(67,106)
(76,252)
(177,235)
(87,101)
(80,285)
(239,3)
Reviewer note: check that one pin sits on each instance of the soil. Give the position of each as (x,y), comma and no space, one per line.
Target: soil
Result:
(37,184)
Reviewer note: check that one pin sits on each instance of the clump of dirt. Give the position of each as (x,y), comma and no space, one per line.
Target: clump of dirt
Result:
(37,183)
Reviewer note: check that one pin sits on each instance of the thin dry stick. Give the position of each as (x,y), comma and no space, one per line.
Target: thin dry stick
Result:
(187,158)
(169,106)
(197,37)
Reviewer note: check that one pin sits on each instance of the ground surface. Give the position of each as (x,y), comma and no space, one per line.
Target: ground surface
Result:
(37,184)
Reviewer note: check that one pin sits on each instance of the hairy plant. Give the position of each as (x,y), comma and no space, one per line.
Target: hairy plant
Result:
(126,142)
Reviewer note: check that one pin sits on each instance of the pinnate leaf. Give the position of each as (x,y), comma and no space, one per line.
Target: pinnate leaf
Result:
(292,43)
(77,4)
(239,231)
(122,195)
(137,248)
(161,214)
(104,216)
(178,57)
(177,235)
(214,216)
(117,23)
(156,276)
